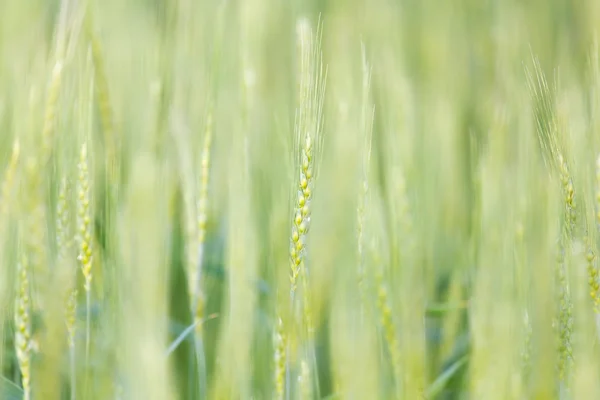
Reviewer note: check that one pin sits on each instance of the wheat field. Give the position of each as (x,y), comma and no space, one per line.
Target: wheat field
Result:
(267,199)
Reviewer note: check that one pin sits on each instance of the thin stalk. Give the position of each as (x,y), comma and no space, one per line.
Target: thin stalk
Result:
(288,373)
(88,313)
(183,335)
(72,371)
(201,365)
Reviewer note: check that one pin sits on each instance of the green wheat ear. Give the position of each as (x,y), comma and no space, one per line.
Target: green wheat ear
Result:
(565,306)
(598,192)
(367,117)
(6,204)
(552,151)
(544,112)
(103,97)
(197,253)
(9,179)
(55,84)
(591,258)
(307,151)
(23,327)
(84,237)
(51,108)
(387,323)
(64,243)
(279,354)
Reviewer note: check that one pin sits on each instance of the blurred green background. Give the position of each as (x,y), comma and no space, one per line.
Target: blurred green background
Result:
(453,214)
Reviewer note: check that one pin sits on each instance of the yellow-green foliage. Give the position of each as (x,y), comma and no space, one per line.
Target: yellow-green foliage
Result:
(384,199)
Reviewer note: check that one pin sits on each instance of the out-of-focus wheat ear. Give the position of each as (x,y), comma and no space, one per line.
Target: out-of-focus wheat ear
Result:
(187,182)
(34,243)
(523,294)
(305,380)
(527,347)
(593,284)
(564,323)
(103,98)
(50,111)
(197,296)
(54,86)
(597,193)
(591,258)
(6,200)
(565,306)
(570,217)
(9,179)
(547,129)
(544,113)
(64,242)
(63,235)
(202,216)
(378,255)
(23,326)
(188,185)
(65,239)
(368,112)
(308,364)
(60,285)
(279,345)
(84,234)
(388,326)
(71,320)
(84,217)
